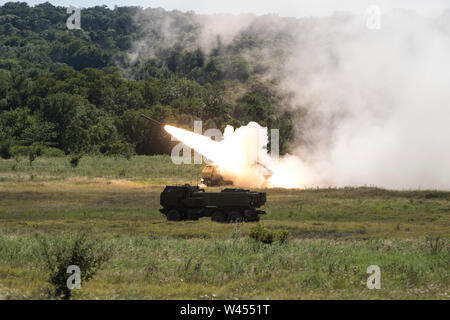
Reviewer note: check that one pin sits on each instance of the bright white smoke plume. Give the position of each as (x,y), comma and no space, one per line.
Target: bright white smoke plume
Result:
(242,157)
(377,101)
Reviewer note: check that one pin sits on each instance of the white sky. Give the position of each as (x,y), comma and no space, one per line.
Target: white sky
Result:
(288,8)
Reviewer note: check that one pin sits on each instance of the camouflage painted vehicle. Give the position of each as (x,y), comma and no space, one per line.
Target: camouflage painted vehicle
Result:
(185,202)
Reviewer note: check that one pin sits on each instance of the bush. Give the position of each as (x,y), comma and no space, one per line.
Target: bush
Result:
(282,236)
(262,234)
(43,150)
(435,195)
(20,150)
(75,160)
(52,152)
(5,150)
(88,255)
(120,148)
(435,244)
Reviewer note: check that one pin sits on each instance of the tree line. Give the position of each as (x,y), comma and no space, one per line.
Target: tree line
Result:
(77,91)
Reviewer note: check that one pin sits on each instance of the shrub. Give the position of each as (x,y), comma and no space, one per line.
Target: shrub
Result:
(282,236)
(88,255)
(75,160)
(120,148)
(5,150)
(435,244)
(42,151)
(435,195)
(20,150)
(52,152)
(262,234)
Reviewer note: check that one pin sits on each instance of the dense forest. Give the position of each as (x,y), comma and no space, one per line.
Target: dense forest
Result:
(81,91)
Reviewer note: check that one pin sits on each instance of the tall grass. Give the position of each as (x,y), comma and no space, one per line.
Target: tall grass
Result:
(147,168)
(244,268)
(334,235)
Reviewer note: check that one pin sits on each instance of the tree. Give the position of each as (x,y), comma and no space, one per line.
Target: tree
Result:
(148,138)
(63,88)
(88,56)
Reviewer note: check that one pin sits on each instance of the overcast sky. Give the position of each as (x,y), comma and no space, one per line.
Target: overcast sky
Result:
(289,8)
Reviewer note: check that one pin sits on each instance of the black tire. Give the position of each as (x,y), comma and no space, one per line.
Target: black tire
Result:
(235,216)
(174,215)
(219,216)
(192,215)
(251,216)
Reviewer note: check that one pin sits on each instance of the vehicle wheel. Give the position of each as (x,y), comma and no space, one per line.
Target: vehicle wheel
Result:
(219,216)
(251,215)
(235,216)
(174,215)
(192,215)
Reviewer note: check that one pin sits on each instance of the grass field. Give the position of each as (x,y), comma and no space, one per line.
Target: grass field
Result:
(334,235)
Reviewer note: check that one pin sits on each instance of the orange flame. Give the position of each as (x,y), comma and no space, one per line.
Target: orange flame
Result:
(239,154)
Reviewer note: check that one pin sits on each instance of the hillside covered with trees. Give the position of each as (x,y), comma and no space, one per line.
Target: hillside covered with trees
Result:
(80,91)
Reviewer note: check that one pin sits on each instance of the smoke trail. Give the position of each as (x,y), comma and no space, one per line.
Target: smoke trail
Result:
(242,157)
(376,101)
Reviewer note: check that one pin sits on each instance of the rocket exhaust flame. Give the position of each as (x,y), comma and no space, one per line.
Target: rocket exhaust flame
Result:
(202,144)
(242,157)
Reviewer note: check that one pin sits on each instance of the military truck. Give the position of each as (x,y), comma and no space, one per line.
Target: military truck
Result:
(186,202)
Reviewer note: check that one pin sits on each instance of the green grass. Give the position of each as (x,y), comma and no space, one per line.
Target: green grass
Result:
(156,169)
(168,268)
(335,234)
